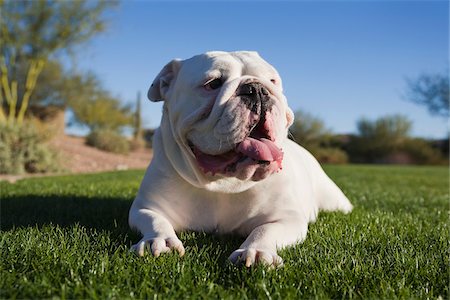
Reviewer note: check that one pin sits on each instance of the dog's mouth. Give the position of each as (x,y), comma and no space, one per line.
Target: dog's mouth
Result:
(256,150)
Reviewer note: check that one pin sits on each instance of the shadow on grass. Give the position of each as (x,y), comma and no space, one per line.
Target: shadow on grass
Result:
(103,214)
(110,214)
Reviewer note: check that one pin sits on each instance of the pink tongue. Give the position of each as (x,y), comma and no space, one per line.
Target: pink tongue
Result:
(257,149)
(262,149)
(215,163)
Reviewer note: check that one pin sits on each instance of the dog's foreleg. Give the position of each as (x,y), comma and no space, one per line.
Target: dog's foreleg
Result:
(158,234)
(262,243)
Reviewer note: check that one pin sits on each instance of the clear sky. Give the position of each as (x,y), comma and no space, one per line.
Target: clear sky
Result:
(339,60)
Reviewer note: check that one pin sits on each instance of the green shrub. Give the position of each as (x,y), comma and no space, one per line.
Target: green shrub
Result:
(23,149)
(108,140)
(422,153)
(330,155)
(406,151)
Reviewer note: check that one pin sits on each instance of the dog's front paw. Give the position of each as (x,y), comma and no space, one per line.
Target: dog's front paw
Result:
(156,246)
(252,256)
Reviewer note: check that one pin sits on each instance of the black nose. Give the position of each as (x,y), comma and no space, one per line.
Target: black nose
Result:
(252,89)
(253,94)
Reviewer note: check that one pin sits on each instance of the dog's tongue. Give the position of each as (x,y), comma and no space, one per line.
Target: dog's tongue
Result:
(257,149)
(215,163)
(260,149)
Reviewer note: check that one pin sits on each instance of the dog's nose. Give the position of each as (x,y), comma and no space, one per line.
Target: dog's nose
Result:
(252,89)
(252,95)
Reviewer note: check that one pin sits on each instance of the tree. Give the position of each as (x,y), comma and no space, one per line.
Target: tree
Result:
(391,128)
(311,132)
(103,112)
(308,130)
(51,84)
(31,33)
(93,106)
(432,91)
(376,139)
(80,92)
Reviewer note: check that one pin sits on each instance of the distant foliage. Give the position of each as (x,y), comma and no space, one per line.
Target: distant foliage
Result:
(432,91)
(137,143)
(148,135)
(137,122)
(95,107)
(421,152)
(31,34)
(34,36)
(310,132)
(330,155)
(377,139)
(387,140)
(23,149)
(108,140)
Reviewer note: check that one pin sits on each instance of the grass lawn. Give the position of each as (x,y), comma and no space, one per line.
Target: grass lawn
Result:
(68,237)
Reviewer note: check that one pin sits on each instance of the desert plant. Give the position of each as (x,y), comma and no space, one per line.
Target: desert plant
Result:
(387,140)
(431,91)
(137,122)
(94,106)
(147,135)
(330,155)
(422,153)
(23,148)
(31,33)
(108,140)
(378,138)
(308,130)
(137,143)
(311,132)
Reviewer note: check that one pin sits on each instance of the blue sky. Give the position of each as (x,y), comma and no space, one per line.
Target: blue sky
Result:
(339,60)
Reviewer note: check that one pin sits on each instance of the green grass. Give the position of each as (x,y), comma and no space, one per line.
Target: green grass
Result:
(67,237)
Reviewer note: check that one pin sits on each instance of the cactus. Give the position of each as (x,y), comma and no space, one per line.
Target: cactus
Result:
(137,118)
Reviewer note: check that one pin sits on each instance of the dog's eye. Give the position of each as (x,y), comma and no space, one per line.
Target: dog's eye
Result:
(273,81)
(213,84)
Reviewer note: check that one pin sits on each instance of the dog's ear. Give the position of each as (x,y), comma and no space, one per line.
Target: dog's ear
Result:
(162,83)
(289,117)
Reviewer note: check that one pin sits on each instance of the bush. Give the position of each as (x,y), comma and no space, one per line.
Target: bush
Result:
(23,149)
(408,151)
(310,132)
(148,134)
(422,153)
(108,140)
(330,155)
(137,144)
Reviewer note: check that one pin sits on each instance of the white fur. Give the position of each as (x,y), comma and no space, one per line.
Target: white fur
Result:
(175,195)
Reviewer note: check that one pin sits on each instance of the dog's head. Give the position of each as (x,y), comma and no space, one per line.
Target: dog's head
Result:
(225,118)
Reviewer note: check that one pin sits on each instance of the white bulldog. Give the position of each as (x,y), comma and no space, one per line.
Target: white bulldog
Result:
(222,161)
